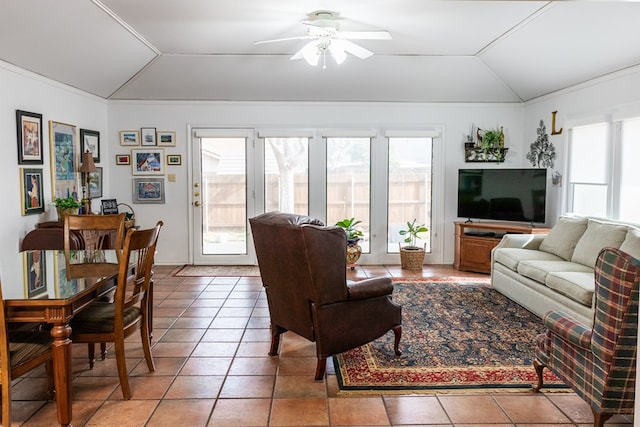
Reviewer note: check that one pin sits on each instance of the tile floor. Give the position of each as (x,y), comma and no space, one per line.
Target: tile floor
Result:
(210,346)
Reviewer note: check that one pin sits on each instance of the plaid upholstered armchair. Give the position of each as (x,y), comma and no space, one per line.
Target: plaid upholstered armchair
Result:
(598,362)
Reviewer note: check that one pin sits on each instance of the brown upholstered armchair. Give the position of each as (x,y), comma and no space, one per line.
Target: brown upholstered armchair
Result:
(303,268)
(598,362)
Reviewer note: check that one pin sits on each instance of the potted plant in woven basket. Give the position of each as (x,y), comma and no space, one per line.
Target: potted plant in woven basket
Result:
(412,255)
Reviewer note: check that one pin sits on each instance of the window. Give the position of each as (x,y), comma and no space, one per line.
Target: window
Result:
(604,178)
(629,209)
(588,170)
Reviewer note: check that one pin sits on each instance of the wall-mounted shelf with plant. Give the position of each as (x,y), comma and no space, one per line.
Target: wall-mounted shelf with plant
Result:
(489,147)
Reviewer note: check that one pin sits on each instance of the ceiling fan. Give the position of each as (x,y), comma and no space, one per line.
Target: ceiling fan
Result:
(326,38)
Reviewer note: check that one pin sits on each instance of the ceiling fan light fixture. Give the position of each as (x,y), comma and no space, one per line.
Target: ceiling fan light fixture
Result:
(323,28)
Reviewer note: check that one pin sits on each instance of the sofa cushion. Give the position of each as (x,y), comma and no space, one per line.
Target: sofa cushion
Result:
(564,236)
(631,243)
(598,235)
(576,285)
(511,257)
(538,270)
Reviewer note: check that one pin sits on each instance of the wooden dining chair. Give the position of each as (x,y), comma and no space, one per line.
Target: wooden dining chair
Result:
(21,350)
(104,321)
(98,232)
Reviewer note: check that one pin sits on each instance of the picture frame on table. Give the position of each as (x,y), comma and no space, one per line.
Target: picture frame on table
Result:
(90,141)
(174,159)
(65,159)
(123,159)
(166,138)
(29,131)
(148,190)
(95,183)
(147,161)
(129,137)
(31,192)
(35,277)
(109,207)
(148,136)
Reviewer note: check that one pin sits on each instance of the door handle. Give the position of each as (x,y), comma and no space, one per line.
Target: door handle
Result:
(196,203)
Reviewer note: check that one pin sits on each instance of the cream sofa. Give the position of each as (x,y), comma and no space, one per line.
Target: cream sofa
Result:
(556,271)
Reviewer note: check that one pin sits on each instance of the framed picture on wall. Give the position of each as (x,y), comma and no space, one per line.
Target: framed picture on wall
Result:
(147,161)
(90,141)
(64,160)
(31,191)
(148,190)
(174,159)
(129,137)
(29,130)
(123,159)
(148,136)
(166,139)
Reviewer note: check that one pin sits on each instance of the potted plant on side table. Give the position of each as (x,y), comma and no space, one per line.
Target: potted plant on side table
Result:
(411,255)
(66,206)
(353,237)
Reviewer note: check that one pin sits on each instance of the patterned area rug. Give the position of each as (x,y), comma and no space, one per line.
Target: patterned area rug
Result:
(462,335)
(218,270)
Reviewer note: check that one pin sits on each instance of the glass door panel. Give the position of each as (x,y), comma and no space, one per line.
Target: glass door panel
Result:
(223,200)
(409,193)
(349,182)
(286,175)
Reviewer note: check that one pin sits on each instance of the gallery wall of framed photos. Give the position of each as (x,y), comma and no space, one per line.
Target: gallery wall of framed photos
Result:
(148,161)
(66,145)
(146,158)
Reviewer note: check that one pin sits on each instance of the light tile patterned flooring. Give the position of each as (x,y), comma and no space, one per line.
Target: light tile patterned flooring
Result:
(210,346)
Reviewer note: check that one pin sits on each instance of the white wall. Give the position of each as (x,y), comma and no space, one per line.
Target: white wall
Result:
(24,91)
(454,119)
(598,98)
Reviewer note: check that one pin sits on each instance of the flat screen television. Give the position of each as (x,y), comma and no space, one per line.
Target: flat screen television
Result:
(503,194)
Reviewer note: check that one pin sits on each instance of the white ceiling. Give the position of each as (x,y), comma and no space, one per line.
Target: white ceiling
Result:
(441,51)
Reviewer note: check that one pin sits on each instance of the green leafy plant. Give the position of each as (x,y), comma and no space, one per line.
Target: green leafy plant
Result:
(412,234)
(349,224)
(66,202)
(490,140)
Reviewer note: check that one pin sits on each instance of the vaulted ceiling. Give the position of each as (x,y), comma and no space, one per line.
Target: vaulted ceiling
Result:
(441,51)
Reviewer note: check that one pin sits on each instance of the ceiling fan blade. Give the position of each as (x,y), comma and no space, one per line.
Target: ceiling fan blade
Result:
(283,40)
(365,35)
(309,52)
(353,48)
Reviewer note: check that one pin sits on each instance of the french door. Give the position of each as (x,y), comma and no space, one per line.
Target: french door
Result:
(382,180)
(222,184)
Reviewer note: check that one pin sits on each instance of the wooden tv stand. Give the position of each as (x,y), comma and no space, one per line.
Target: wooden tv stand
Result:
(475,240)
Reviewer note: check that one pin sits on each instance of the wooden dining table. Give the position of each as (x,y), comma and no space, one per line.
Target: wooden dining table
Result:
(48,296)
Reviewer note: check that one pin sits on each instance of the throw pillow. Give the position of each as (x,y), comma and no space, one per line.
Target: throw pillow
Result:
(564,236)
(597,236)
(631,244)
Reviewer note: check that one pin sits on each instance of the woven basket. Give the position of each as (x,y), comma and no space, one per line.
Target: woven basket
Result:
(412,259)
(129,217)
